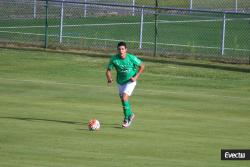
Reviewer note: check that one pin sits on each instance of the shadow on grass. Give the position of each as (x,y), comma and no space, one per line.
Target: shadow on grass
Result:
(117,126)
(210,64)
(111,125)
(219,63)
(39,119)
(221,66)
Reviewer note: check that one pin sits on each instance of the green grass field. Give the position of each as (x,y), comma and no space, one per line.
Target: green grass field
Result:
(185,113)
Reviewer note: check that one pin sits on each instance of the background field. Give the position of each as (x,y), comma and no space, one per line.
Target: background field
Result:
(185,113)
(95,27)
(200,4)
(188,34)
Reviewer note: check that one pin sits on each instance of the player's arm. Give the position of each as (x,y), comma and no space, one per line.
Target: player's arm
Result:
(109,76)
(140,70)
(108,72)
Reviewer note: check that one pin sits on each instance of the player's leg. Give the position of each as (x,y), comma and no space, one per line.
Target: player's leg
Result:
(125,105)
(126,110)
(125,91)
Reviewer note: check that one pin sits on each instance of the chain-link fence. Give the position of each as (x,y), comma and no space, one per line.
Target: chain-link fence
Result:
(217,5)
(100,24)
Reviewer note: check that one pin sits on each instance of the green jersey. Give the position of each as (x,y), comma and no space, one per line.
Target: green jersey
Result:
(126,68)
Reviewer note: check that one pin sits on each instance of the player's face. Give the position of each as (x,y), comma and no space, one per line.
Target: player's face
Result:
(122,51)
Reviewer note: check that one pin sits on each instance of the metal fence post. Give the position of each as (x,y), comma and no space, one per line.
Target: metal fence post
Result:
(46,25)
(133,8)
(190,4)
(223,35)
(85,8)
(141,30)
(61,21)
(156,27)
(34,9)
(236,5)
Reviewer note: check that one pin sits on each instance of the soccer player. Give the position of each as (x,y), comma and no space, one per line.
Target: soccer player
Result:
(128,68)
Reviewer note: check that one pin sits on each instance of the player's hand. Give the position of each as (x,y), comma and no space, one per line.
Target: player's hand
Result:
(110,82)
(133,79)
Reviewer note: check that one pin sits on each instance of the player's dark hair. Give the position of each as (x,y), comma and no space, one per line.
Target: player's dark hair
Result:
(121,44)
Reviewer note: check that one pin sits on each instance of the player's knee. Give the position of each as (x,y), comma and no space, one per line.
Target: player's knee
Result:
(124,97)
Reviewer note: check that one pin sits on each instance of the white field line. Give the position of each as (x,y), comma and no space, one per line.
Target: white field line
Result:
(117,40)
(142,90)
(115,24)
(131,23)
(197,21)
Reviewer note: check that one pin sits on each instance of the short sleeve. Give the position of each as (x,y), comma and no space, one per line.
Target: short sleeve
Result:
(110,65)
(136,61)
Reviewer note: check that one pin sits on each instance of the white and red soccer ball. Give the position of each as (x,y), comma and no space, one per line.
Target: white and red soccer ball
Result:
(94,124)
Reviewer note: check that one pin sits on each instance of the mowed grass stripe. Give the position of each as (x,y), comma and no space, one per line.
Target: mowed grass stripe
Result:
(150,91)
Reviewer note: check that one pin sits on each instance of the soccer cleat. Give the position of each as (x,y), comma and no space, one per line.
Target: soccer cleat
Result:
(131,118)
(125,123)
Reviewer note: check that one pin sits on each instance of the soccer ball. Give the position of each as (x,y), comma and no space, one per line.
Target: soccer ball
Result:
(94,124)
